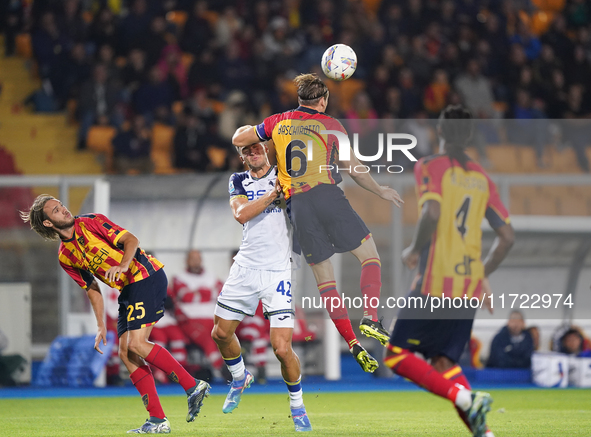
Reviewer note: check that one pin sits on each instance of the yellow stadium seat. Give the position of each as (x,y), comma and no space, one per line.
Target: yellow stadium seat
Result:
(24,47)
(516,204)
(217,157)
(527,160)
(503,158)
(563,161)
(542,205)
(162,144)
(187,60)
(572,205)
(99,139)
(177,17)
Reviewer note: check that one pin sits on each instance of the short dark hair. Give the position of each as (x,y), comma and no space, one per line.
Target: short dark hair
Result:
(310,89)
(36,216)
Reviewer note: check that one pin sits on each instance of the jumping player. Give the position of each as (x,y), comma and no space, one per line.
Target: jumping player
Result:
(261,271)
(93,247)
(323,219)
(455,195)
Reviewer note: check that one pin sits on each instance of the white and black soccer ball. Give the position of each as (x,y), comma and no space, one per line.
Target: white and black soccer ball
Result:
(339,62)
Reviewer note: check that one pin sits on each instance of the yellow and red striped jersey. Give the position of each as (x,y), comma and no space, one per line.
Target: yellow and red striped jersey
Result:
(305,157)
(94,248)
(451,264)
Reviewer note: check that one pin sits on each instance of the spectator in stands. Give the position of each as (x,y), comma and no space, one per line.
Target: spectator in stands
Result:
(476,91)
(134,72)
(174,71)
(97,104)
(513,346)
(134,26)
(575,132)
(153,42)
(194,293)
(104,29)
(70,22)
(527,40)
(49,45)
(154,94)
(197,32)
(190,143)
(410,95)
(572,342)
(11,22)
(437,93)
(131,148)
(75,70)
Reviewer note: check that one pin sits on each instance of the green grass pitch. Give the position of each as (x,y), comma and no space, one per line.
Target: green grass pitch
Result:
(515,413)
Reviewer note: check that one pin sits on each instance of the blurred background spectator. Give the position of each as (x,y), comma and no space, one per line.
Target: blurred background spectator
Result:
(501,59)
(513,345)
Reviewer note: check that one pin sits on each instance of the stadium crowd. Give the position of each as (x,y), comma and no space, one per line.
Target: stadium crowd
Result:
(229,60)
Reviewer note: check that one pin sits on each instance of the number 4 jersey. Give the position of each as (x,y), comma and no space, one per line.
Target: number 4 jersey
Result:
(451,263)
(305,156)
(266,238)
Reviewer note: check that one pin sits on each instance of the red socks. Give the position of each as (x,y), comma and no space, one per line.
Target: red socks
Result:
(337,311)
(456,375)
(144,383)
(371,283)
(162,359)
(405,364)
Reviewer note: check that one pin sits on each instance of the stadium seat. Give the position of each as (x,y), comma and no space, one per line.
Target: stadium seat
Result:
(527,160)
(503,158)
(542,205)
(217,157)
(179,18)
(540,22)
(99,139)
(24,46)
(573,204)
(563,161)
(162,144)
(550,5)
(187,60)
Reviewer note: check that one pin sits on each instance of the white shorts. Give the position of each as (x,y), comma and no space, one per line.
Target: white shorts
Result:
(245,287)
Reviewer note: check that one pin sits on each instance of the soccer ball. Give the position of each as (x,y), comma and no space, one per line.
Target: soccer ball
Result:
(339,62)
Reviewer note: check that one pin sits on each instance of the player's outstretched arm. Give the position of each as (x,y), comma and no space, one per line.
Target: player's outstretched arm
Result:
(245,136)
(364,180)
(245,210)
(98,307)
(425,228)
(130,245)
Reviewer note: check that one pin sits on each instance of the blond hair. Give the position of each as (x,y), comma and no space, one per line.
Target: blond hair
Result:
(310,89)
(36,216)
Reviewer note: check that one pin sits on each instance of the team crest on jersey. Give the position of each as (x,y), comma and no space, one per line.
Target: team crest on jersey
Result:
(81,241)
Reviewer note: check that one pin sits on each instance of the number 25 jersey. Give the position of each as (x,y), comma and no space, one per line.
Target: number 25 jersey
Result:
(451,263)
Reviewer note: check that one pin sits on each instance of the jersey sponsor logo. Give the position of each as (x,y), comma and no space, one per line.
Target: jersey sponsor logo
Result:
(98,259)
(464,267)
(231,187)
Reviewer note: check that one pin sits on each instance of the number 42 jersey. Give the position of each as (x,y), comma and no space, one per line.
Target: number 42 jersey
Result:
(451,264)
(266,238)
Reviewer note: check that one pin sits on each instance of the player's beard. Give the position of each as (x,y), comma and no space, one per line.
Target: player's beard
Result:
(64,224)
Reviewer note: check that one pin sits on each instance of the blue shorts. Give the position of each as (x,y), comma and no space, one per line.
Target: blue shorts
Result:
(432,335)
(141,304)
(325,223)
